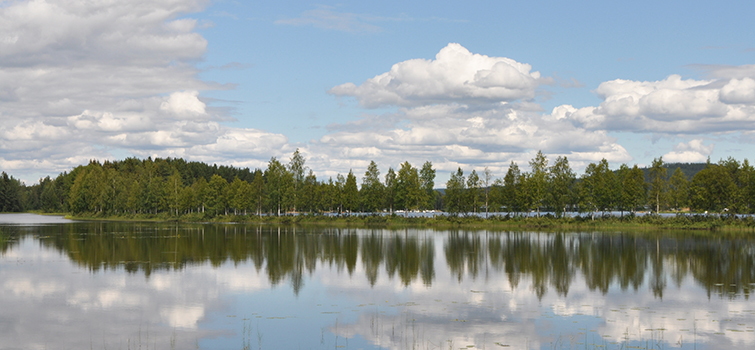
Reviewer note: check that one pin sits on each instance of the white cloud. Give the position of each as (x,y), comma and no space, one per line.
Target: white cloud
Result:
(79,80)
(456,75)
(671,106)
(692,152)
(59,32)
(463,110)
(739,91)
(184,103)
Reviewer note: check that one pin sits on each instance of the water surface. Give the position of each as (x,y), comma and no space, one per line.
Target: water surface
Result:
(32,219)
(161,286)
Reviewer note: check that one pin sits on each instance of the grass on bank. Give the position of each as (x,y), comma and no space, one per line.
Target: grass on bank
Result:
(684,222)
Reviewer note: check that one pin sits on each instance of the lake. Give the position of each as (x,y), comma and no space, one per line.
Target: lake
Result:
(116,285)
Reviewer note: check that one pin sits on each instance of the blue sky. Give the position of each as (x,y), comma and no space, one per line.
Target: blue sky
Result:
(240,82)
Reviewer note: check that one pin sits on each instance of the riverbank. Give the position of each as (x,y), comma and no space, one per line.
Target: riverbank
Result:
(654,222)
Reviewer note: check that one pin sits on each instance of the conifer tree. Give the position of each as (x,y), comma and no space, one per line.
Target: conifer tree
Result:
(372,189)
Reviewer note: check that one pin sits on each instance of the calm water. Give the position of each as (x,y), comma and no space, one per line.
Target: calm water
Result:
(67,285)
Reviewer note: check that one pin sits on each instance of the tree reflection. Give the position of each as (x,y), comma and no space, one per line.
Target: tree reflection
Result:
(547,261)
(8,238)
(464,253)
(372,255)
(410,257)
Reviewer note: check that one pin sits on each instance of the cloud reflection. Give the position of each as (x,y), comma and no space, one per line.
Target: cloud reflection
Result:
(116,283)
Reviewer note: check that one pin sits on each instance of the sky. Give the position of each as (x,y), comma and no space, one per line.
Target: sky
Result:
(463,85)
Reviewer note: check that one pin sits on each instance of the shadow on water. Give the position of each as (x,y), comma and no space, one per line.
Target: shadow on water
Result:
(723,267)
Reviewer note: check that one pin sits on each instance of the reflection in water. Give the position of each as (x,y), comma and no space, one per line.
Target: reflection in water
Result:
(552,260)
(476,292)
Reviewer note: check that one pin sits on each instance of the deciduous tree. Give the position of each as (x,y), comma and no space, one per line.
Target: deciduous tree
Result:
(512,188)
(454,199)
(561,189)
(427,184)
(390,189)
(634,191)
(408,192)
(297,169)
(537,182)
(474,186)
(678,189)
(658,184)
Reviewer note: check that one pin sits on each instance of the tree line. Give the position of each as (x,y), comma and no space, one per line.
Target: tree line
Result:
(11,194)
(724,187)
(176,187)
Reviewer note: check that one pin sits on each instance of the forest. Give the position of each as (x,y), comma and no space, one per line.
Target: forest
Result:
(177,188)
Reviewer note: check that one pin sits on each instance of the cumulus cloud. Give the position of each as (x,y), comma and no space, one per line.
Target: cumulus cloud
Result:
(738,91)
(184,103)
(81,80)
(55,32)
(671,106)
(460,110)
(691,152)
(456,75)
(231,146)
(451,136)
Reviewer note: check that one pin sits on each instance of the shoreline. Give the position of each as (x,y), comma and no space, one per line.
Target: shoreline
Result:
(697,223)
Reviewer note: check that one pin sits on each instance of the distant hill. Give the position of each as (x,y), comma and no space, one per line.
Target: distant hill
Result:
(688,169)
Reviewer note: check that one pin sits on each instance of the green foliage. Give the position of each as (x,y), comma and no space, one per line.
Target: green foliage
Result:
(408,191)
(338,192)
(487,177)
(11,194)
(678,190)
(537,182)
(746,188)
(634,192)
(561,191)
(278,186)
(217,200)
(474,187)
(350,193)
(658,184)
(599,189)
(712,189)
(512,189)
(297,169)
(258,193)
(372,189)
(390,189)
(174,188)
(427,185)
(201,192)
(455,187)
(310,193)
